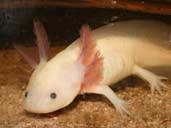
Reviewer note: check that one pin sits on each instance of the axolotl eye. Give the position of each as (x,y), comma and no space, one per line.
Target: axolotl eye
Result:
(53,95)
(26,94)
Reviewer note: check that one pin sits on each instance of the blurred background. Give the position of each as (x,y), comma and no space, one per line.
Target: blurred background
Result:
(63,19)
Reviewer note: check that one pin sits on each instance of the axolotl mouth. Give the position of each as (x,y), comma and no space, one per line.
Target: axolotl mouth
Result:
(39,108)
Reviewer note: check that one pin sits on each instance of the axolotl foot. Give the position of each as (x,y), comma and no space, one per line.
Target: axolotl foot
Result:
(120,104)
(155,81)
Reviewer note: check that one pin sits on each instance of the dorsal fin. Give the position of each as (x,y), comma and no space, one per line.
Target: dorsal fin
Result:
(91,59)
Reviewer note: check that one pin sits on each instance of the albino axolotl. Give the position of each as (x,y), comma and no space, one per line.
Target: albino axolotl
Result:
(95,61)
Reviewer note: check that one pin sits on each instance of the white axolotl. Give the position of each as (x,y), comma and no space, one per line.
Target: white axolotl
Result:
(95,61)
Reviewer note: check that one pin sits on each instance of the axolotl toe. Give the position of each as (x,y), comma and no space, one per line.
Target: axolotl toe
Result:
(95,61)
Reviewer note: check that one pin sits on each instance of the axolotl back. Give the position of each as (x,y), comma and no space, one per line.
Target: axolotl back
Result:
(94,61)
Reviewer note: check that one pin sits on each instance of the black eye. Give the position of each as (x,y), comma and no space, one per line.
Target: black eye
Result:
(53,95)
(26,94)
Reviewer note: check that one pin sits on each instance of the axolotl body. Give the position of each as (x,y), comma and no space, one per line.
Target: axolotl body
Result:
(95,61)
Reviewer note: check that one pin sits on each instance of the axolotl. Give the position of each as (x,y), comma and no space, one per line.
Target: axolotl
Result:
(95,61)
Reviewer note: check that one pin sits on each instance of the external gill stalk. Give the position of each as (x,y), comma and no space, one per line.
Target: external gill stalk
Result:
(90,59)
(28,58)
(42,43)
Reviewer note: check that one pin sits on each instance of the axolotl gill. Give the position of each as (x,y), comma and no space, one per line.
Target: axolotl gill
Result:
(94,62)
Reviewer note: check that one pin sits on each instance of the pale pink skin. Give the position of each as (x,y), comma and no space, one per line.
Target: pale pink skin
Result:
(126,48)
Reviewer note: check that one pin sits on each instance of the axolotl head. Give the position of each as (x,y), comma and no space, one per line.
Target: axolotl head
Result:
(55,83)
(51,87)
